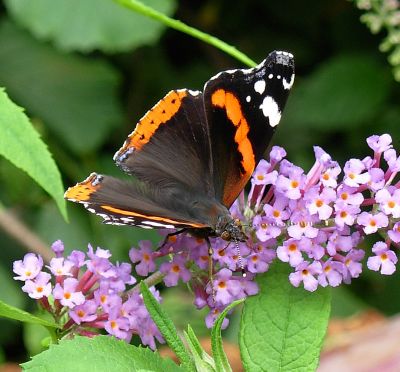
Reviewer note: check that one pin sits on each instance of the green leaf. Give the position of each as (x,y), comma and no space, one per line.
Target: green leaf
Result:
(221,360)
(11,312)
(90,24)
(283,327)
(74,96)
(22,146)
(101,353)
(166,327)
(345,90)
(202,360)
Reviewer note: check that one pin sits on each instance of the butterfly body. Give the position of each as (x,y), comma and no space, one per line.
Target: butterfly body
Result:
(193,152)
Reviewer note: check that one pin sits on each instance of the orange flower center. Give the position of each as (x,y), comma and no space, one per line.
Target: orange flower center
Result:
(276,213)
(39,289)
(325,176)
(292,247)
(172,238)
(222,285)
(327,269)
(384,257)
(319,203)
(344,196)
(67,295)
(81,313)
(391,204)
(304,272)
(146,257)
(294,184)
(254,258)
(260,177)
(372,223)
(343,214)
(176,268)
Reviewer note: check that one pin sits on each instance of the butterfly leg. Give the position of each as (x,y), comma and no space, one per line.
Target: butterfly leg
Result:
(168,237)
(210,267)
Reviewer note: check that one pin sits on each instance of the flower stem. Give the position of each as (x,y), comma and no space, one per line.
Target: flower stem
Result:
(147,11)
(153,279)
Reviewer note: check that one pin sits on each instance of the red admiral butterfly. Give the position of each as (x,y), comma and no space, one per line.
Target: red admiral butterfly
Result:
(192,154)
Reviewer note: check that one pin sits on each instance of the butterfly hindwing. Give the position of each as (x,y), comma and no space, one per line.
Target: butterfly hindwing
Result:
(243,108)
(135,203)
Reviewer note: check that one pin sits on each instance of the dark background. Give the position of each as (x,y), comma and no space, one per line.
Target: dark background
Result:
(85,87)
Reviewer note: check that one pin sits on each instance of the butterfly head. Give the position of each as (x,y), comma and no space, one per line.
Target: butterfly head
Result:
(230,229)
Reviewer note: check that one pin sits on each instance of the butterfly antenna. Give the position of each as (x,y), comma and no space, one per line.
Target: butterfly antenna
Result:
(240,259)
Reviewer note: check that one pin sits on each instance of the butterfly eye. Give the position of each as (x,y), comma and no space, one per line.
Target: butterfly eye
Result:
(226,235)
(237,222)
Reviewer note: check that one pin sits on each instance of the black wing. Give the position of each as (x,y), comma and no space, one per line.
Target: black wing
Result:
(141,204)
(171,144)
(243,107)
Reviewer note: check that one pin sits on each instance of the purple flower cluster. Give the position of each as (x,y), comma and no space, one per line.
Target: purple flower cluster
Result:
(88,294)
(313,221)
(318,220)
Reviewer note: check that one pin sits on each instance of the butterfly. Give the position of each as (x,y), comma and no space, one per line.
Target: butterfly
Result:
(193,153)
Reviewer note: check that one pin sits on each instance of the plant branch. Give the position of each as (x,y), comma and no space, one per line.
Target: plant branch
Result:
(14,227)
(145,10)
(153,279)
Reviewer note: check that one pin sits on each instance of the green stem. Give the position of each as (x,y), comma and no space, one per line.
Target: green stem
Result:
(153,279)
(145,10)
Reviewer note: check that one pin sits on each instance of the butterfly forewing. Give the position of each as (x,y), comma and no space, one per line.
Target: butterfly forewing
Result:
(171,144)
(243,108)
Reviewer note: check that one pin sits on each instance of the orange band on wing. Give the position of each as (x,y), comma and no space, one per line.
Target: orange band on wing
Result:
(226,100)
(158,115)
(153,218)
(81,192)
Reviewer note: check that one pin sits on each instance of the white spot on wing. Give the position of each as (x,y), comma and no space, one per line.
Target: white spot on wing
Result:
(157,224)
(259,86)
(194,93)
(248,99)
(144,227)
(284,53)
(271,111)
(288,84)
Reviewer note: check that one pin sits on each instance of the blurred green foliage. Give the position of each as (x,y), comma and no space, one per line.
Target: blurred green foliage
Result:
(86,71)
